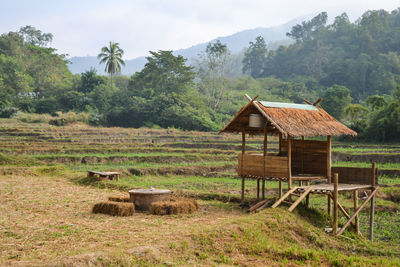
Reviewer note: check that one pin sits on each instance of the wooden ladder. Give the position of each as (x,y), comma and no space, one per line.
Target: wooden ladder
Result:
(291,192)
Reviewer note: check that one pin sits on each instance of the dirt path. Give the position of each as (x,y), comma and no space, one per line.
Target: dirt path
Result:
(49,220)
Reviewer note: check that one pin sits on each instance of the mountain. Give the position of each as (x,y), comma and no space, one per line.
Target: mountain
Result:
(274,36)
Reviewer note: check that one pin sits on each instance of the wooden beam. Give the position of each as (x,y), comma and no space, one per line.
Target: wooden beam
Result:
(249,98)
(289,149)
(328,168)
(307,102)
(341,208)
(297,202)
(308,196)
(372,215)
(355,202)
(269,118)
(317,102)
(335,202)
(243,151)
(259,204)
(276,204)
(358,210)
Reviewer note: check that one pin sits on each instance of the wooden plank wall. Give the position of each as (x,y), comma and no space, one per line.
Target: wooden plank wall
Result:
(253,165)
(308,156)
(351,175)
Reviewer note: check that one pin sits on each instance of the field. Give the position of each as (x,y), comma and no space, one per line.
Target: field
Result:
(46,201)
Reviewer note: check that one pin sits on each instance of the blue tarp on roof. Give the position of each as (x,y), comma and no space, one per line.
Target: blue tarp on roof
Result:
(286,105)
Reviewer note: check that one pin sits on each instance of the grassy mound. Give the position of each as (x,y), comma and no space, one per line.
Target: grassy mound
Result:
(174,206)
(114,208)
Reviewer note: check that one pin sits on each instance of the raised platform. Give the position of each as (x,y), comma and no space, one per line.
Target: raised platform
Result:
(328,188)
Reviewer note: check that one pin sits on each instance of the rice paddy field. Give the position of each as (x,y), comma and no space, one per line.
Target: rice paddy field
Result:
(46,202)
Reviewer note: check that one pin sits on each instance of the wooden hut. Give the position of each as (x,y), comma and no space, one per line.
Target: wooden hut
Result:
(298,159)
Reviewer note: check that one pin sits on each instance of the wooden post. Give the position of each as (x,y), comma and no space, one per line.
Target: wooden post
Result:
(335,203)
(263,189)
(280,147)
(302,154)
(355,200)
(372,215)
(328,168)
(243,151)
(308,196)
(289,149)
(280,189)
(258,189)
(264,154)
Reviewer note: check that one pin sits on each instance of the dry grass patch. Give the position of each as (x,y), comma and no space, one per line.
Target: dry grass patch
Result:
(114,208)
(174,206)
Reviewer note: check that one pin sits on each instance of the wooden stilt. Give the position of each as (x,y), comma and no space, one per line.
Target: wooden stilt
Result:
(328,168)
(289,143)
(242,195)
(280,189)
(358,210)
(263,189)
(308,196)
(258,189)
(243,151)
(335,203)
(355,201)
(264,155)
(297,202)
(372,215)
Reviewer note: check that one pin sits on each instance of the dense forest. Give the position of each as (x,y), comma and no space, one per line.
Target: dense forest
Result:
(353,66)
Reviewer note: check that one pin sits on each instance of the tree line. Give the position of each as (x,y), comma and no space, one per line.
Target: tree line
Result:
(353,66)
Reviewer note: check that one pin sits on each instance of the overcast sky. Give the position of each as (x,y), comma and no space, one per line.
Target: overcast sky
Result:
(81,28)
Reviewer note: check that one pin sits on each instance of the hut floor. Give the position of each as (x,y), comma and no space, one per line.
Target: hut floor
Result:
(328,188)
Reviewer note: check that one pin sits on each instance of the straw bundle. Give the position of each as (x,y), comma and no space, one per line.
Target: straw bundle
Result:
(114,208)
(119,199)
(174,206)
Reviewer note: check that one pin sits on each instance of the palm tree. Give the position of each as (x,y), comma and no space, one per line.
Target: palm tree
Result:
(112,57)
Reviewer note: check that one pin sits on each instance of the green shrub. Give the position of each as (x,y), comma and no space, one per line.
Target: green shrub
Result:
(8,112)
(34,118)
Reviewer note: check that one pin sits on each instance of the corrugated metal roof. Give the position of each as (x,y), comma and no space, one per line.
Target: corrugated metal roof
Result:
(286,105)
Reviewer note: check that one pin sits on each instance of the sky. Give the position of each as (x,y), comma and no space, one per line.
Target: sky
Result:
(82,27)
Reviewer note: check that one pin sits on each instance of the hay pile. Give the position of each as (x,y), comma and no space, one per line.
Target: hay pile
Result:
(119,198)
(114,208)
(174,206)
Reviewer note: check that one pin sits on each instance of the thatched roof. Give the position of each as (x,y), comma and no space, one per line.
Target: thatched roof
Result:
(289,119)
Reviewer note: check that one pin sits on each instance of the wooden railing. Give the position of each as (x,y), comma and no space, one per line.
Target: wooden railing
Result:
(253,165)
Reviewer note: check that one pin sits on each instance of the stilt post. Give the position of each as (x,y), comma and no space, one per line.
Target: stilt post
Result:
(289,149)
(328,168)
(355,200)
(243,151)
(335,203)
(372,215)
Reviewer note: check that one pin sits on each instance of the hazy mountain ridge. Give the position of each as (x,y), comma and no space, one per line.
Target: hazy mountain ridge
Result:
(237,42)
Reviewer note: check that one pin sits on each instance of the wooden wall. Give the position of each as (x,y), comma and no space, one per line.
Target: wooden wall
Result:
(308,156)
(253,166)
(350,175)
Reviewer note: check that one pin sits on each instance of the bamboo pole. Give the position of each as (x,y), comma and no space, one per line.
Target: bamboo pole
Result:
(243,151)
(280,189)
(264,157)
(372,215)
(335,203)
(358,210)
(308,196)
(355,200)
(328,167)
(258,189)
(289,143)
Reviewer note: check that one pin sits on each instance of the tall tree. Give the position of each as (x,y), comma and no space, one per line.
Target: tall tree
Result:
(254,57)
(112,57)
(213,73)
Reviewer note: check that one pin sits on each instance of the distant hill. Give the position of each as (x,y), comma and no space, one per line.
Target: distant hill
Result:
(274,36)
